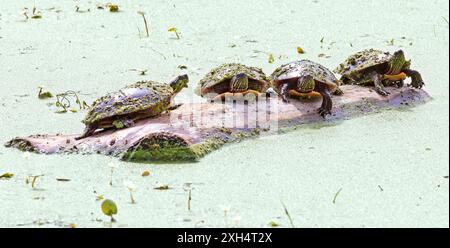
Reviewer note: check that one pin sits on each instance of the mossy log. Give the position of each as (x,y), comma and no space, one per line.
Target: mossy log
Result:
(196,129)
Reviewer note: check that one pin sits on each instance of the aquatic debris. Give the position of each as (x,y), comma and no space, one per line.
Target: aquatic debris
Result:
(273,224)
(381,189)
(323,55)
(33,180)
(109,208)
(145,22)
(336,195)
(44,94)
(162,187)
(99,197)
(77,9)
(300,50)
(232,45)
(145,174)
(112,166)
(35,14)
(131,187)
(445,19)
(63,101)
(446,177)
(189,199)
(226,210)
(182,67)
(72,225)
(6,176)
(112,7)
(288,215)
(321,40)
(271,59)
(175,31)
(142,72)
(427,149)
(62,179)
(390,42)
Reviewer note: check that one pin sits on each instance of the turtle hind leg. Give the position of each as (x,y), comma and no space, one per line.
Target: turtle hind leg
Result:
(338,92)
(327,104)
(88,131)
(379,86)
(416,78)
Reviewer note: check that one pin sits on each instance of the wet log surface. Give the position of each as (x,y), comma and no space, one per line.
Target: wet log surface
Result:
(196,129)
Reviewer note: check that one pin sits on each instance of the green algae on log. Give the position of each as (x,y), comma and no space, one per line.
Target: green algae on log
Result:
(196,129)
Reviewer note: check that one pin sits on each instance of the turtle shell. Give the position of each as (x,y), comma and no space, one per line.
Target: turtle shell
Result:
(218,79)
(141,98)
(292,71)
(363,62)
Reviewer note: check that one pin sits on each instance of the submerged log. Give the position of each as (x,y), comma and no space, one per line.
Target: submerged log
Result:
(196,129)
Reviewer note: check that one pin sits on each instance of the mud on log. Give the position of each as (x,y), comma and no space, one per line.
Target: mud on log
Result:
(196,129)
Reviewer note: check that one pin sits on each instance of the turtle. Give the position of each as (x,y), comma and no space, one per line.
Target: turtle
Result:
(373,67)
(228,80)
(136,101)
(297,78)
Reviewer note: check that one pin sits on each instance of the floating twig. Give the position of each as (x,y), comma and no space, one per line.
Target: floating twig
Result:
(288,215)
(336,195)
(189,199)
(145,22)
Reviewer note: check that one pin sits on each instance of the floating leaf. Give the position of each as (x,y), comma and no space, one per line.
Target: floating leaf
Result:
(232,45)
(109,208)
(273,224)
(271,59)
(300,50)
(99,197)
(145,174)
(6,176)
(72,225)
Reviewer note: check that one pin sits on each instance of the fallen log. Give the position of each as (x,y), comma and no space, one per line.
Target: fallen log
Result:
(196,129)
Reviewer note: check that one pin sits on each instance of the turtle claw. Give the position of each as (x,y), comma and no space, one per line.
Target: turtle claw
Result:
(382,92)
(417,84)
(323,112)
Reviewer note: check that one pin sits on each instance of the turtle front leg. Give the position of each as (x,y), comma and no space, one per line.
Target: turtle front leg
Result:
(88,131)
(284,93)
(174,106)
(379,87)
(416,78)
(327,104)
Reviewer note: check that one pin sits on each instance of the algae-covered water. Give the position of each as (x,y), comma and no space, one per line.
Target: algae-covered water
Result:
(388,169)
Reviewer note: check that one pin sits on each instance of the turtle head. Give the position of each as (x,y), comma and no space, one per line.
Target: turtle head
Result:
(305,84)
(179,83)
(397,62)
(239,83)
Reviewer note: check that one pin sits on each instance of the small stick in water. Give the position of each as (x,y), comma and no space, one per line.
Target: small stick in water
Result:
(336,195)
(145,22)
(288,215)
(189,200)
